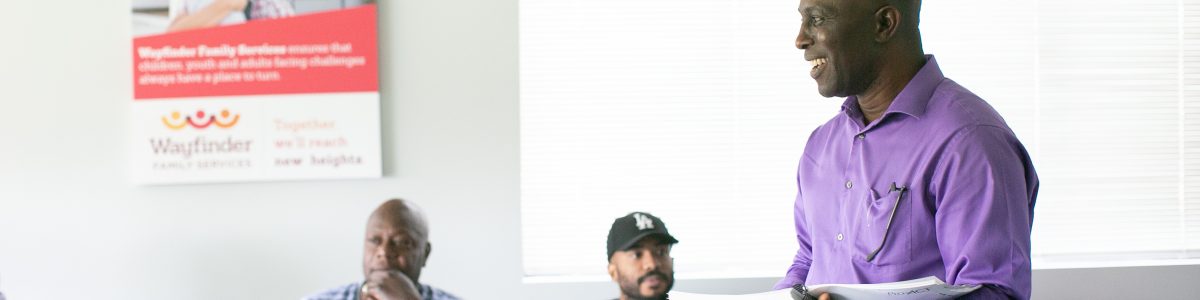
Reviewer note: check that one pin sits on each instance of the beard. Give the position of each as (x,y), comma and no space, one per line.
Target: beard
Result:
(632,288)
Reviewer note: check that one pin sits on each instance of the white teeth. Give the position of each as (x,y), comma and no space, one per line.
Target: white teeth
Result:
(817,62)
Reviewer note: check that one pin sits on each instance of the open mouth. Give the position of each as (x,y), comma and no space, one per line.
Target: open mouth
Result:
(818,65)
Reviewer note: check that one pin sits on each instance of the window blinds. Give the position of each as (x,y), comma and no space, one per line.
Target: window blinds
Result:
(697,111)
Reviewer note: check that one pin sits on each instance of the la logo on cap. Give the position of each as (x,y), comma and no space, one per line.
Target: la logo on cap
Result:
(643,222)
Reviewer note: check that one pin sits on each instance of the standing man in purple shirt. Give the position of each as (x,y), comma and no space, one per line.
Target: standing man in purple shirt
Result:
(916,176)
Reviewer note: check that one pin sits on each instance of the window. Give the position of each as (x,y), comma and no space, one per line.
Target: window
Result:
(697,111)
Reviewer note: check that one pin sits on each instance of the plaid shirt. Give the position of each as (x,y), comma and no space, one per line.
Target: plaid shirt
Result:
(270,9)
(350,292)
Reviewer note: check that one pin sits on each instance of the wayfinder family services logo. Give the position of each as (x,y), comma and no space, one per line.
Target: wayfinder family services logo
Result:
(200,120)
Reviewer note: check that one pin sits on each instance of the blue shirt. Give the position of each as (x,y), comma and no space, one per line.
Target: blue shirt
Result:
(351,292)
(938,185)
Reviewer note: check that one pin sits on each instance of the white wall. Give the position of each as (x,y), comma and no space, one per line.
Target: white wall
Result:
(72,227)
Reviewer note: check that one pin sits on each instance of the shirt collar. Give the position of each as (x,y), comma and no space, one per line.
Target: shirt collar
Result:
(423,290)
(913,99)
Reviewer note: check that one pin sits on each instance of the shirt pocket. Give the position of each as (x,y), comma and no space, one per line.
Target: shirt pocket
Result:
(884,235)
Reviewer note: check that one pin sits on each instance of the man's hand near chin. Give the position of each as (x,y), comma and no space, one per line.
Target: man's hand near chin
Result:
(389,285)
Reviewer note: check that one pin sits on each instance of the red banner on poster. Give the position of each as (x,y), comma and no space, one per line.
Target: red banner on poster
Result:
(324,52)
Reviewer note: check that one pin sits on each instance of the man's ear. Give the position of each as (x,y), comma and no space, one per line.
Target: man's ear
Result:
(612,271)
(887,22)
(428,250)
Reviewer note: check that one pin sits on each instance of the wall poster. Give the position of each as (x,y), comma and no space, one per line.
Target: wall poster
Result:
(254,90)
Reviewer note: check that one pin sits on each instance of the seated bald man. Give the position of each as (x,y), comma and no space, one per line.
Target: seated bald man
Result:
(394,251)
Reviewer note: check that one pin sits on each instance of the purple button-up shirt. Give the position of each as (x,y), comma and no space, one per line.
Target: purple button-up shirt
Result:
(939,185)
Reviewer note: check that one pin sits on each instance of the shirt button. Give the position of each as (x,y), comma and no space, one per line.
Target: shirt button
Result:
(862,136)
(849,184)
(840,236)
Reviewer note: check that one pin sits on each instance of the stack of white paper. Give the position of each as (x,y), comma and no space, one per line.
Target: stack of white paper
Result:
(917,289)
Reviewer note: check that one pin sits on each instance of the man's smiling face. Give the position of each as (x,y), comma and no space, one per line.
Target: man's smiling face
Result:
(838,39)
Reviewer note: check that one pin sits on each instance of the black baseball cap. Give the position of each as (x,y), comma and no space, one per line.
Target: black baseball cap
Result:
(628,230)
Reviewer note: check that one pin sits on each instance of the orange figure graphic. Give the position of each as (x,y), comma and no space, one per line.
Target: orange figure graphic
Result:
(177,118)
(225,121)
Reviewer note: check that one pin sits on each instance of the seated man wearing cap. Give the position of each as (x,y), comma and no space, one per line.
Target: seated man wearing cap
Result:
(394,251)
(639,257)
